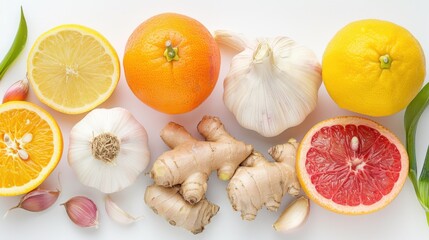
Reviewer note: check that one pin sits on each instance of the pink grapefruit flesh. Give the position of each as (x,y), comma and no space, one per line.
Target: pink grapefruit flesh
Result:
(351,165)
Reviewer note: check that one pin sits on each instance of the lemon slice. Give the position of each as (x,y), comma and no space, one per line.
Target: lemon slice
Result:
(72,68)
(31,146)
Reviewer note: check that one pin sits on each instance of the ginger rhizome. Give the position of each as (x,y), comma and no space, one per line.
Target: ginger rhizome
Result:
(168,203)
(181,174)
(191,161)
(259,182)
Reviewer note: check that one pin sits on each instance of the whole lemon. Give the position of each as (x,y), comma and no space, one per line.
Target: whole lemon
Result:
(373,67)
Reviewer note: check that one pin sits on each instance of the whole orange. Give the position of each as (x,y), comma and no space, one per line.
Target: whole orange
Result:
(171,63)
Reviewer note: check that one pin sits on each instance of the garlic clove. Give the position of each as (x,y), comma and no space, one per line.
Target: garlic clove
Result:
(234,40)
(17,91)
(37,200)
(117,214)
(82,211)
(294,215)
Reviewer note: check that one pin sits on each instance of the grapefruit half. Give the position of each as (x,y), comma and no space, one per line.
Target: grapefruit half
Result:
(351,165)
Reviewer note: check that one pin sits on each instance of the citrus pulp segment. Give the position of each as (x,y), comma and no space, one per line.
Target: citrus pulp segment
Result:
(30,147)
(72,68)
(351,165)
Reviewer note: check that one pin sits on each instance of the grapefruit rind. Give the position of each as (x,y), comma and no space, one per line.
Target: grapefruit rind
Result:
(309,188)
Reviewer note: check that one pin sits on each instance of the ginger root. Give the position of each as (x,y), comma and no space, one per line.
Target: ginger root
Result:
(168,203)
(258,182)
(190,161)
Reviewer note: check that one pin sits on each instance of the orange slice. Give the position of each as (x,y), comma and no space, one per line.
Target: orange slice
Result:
(31,145)
(351,165)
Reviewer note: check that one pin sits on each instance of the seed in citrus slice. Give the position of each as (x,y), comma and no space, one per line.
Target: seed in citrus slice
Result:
(72,68)
(351,165)
(31,145)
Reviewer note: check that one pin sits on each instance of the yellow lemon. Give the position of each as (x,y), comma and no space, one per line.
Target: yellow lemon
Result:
(72,68)
(373,67)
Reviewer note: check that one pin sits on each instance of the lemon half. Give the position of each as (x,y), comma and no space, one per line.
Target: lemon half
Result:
(72,68)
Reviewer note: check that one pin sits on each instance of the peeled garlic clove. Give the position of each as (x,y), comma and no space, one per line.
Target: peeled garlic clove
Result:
(17,92)
(294,215)
(37,200)
(82,211)
(117,214)
(272,83)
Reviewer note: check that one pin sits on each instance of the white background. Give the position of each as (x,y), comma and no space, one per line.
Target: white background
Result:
(312,23)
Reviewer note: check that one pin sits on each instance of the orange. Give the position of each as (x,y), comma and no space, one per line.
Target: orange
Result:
(351,165)
(31,145)
(171,63)
(373,67)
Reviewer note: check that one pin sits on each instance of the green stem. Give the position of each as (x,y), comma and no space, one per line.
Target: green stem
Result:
(171,53)
(412,115)
(427,218)
(385,61)
(17,45)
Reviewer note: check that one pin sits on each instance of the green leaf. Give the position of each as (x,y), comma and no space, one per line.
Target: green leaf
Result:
(424,183)
(17,46)
(411,118)
(424,186)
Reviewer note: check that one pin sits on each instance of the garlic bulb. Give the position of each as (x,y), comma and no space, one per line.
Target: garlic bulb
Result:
(108,149)
(272,83)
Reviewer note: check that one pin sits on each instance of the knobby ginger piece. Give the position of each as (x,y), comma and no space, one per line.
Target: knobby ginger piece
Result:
(168,203)
(259,182)
(191,161)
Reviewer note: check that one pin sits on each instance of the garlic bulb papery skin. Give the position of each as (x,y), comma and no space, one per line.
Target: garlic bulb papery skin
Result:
(108,149)
(272,83)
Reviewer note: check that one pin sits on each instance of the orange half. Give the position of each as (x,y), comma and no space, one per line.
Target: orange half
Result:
(31,145)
